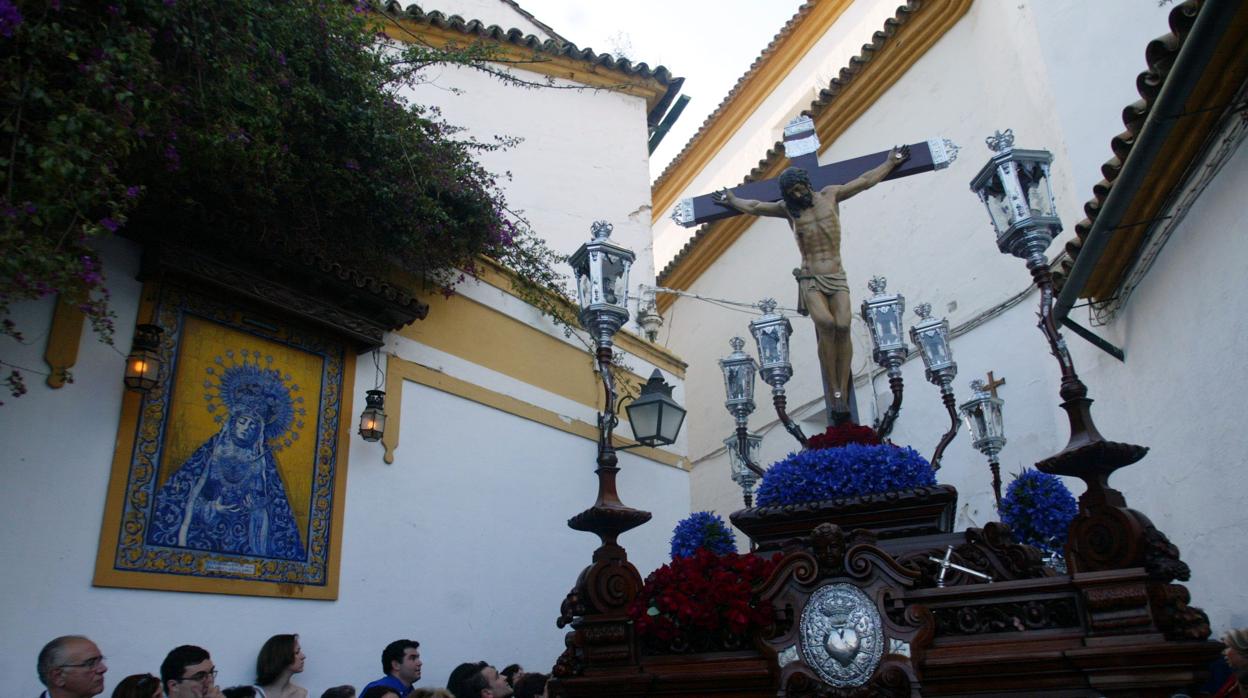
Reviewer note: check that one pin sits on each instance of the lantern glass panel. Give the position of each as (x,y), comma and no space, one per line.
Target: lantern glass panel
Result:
(644,418)
(772,345)
(670,422)
(934,348)
(975,423)
(614,280)
(739,380)
(1033,176)
(372,424)
(142,369)
(754,444)
(886,325)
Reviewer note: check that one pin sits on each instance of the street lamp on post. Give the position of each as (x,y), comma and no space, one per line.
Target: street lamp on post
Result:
(739,368)
(771,334)
(1015,187)
(882,313)
(982,414)
(654,416)
(931,336)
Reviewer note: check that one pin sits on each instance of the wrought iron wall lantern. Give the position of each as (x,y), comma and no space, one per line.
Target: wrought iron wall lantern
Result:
(143,363)
(373,418)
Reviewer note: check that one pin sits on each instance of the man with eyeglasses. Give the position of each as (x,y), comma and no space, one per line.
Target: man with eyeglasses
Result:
(188,672)
(71,666)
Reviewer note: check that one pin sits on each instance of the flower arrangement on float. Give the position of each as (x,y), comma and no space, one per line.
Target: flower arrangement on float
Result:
(847,460)
(703,600)
(1038,508)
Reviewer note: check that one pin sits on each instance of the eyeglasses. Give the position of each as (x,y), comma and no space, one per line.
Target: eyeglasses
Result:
(88,664)
(201,676)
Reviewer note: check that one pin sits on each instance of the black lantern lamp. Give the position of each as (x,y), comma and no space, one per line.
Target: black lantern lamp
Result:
(655,417)
(741,472)
(143,362)
(373,418)
(982,414)
(771,334)
(931,336)
(882,313)
(739,368)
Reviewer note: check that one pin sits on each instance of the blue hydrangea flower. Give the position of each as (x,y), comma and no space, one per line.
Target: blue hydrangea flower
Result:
(1038,508)
(702,529)
(846,471)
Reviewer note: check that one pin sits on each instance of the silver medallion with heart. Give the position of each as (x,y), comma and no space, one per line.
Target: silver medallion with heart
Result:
(841,636)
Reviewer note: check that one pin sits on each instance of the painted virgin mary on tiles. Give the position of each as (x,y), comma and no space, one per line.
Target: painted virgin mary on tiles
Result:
(228,496)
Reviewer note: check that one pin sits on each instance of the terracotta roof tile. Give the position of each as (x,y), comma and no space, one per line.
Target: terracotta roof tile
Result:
(554,47)
(1159,55)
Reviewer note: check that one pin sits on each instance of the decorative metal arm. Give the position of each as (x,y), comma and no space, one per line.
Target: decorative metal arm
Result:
(607,420)
(781,402)
(946,396)
(884,426)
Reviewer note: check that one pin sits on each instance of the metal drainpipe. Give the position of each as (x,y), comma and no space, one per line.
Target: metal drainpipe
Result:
(1214,18)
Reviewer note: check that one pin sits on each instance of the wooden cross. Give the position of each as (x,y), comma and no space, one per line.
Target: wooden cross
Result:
(801,146)
(993,383)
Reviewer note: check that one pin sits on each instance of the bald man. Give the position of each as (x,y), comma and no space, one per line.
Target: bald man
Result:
(71,666)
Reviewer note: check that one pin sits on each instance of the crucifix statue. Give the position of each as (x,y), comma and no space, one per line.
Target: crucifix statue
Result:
(808,197)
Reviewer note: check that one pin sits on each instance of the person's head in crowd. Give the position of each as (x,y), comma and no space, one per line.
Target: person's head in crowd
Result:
(344,691)
(71,666)
(460,674)
(401,659)
(138,686)
(531,685)
(280,657)
(239,692)
(1236,651)
(379,692)
(512,672)
(188,672)
(431,693)
(485,682)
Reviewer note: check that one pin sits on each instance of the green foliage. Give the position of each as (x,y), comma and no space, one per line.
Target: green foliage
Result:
(244,126)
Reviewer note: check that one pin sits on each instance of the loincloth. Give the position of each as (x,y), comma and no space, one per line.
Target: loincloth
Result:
(827,284)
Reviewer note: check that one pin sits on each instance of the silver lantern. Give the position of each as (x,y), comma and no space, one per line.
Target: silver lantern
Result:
(982,414)
(882,313)
(1016,189)
(742,474)
(601,269)
(931,336)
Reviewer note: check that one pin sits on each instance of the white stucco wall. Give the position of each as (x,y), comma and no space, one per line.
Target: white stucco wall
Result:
(929,235)
(583,156)
(461,544)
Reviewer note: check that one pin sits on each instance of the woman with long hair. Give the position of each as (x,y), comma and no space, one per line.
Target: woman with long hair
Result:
(279,660)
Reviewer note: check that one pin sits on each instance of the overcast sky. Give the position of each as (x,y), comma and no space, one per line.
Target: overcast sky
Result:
(710,43)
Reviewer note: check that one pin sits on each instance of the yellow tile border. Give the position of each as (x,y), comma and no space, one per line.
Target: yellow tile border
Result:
(399,370)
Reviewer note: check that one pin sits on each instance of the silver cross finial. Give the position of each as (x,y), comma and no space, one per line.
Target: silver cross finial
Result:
(923,310)
(877,284)
(767,305)
(948,564)
(736,343)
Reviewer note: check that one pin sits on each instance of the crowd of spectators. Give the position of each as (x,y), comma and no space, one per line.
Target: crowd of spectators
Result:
(72,666)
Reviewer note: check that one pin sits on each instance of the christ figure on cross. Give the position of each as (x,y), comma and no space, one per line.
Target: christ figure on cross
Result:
(823,293)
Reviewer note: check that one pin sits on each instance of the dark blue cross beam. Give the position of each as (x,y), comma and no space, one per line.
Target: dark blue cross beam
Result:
(801,146)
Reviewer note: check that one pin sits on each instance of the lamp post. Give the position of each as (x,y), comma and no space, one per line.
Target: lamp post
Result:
(601,269)
(745,477)
(1015,188)
(982,414)
(739,368)
(931,336)
(771,334)
(143,362)
(882,313)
